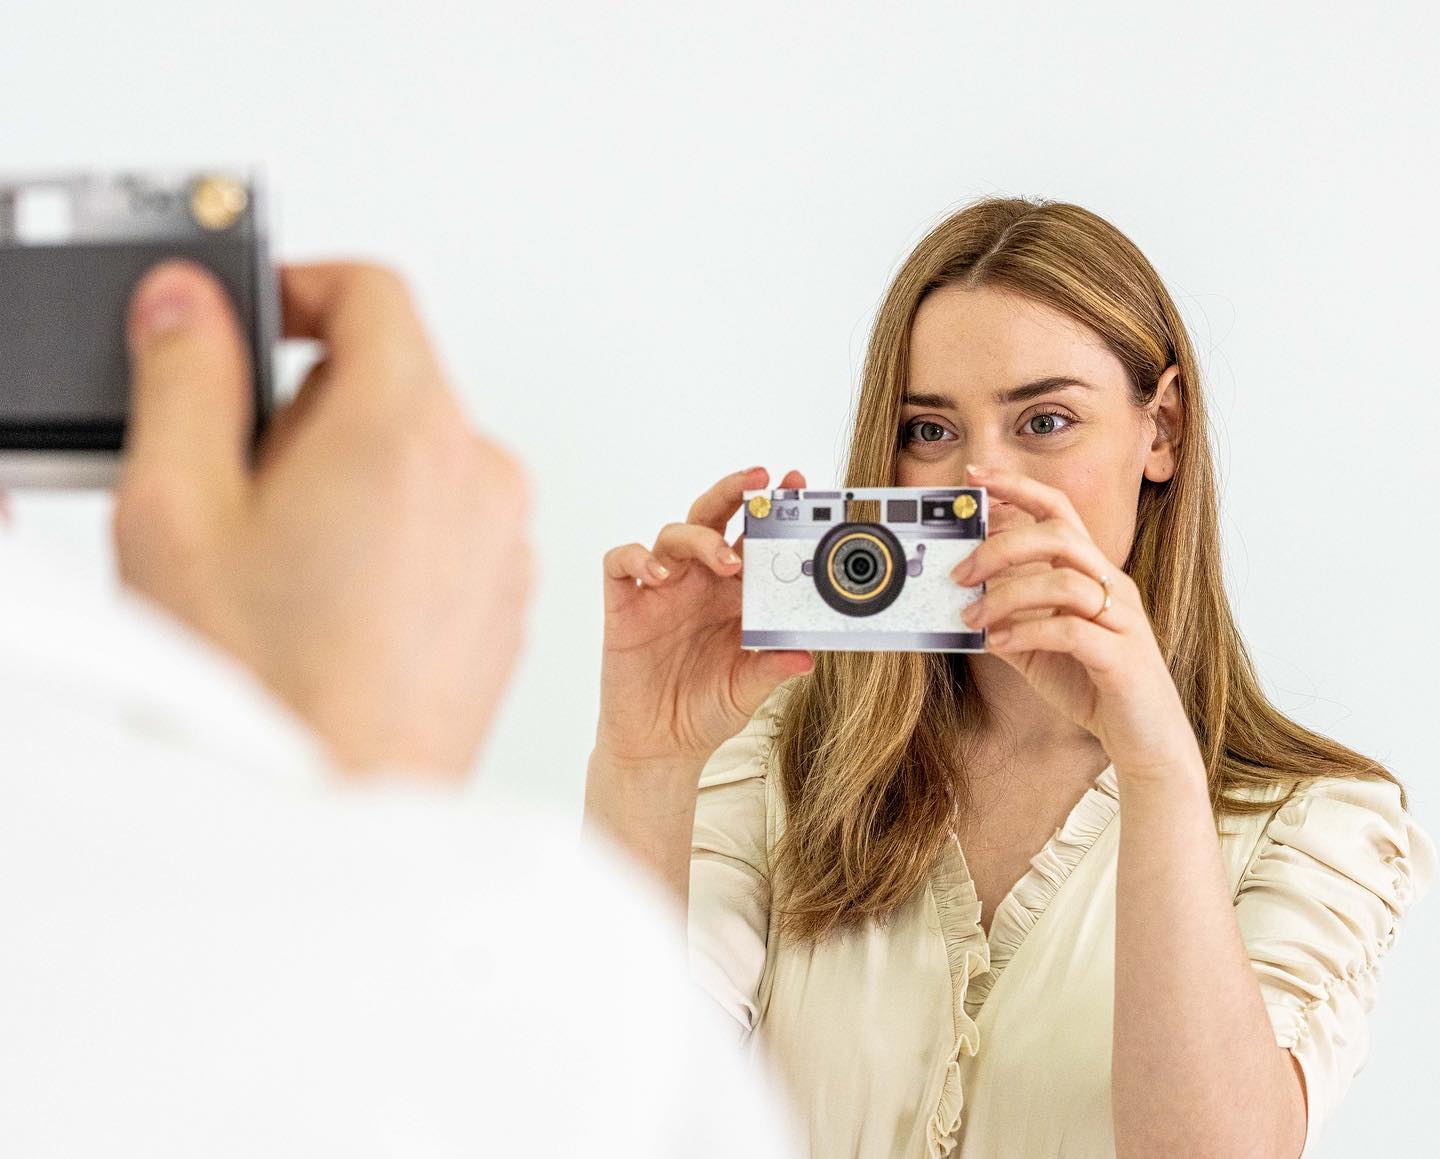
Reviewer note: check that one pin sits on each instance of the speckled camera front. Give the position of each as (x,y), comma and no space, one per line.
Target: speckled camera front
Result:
(817,581)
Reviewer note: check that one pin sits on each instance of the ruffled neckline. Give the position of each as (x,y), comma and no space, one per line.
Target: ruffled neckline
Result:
(977,961)
(1032,894)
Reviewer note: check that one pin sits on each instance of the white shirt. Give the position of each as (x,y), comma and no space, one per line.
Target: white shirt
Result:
(214,946)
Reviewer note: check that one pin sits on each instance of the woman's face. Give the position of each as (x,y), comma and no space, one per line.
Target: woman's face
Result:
(971,348)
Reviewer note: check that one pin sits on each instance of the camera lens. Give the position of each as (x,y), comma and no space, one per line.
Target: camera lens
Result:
(860,567)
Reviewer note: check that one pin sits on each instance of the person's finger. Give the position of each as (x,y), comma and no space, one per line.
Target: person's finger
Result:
(623,566)
(367,319)
(5,518)
(758,674)
(634,562)
(679,543)
(191,394)
(793,481)
(714,508)
(288,419)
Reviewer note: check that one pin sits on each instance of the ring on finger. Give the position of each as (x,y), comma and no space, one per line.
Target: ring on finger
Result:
(1104,582)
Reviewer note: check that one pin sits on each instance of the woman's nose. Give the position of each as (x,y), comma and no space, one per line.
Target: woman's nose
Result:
(987,454)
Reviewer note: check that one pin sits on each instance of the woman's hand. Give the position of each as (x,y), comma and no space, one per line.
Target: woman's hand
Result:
(674,681)
(1105,674)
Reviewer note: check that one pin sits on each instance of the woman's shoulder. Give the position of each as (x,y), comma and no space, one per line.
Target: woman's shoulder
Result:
(1353,827)
(1319,908)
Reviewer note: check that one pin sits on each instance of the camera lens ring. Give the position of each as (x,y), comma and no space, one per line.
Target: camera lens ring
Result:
(881,549)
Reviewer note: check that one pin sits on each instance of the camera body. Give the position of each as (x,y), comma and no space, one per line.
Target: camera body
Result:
(72,249)
(860,569)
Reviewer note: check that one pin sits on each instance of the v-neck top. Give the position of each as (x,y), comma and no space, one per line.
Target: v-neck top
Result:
(920,1037)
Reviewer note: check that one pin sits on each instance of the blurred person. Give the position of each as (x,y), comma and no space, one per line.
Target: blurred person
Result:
(246,910)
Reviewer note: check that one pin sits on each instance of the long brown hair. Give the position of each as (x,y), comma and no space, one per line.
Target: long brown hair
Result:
(871,748)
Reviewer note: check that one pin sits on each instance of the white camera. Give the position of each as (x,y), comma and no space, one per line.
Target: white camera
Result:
(862,569)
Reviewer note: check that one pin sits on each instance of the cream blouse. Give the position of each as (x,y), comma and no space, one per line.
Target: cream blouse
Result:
(925,1038)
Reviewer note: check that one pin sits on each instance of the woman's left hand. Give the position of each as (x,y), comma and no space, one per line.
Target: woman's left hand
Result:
(1106,674)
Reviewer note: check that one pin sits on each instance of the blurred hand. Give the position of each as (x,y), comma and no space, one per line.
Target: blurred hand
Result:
(674,681)
(371,566)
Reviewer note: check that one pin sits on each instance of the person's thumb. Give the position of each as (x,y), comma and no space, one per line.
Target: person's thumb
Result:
(760,673)
(191,399)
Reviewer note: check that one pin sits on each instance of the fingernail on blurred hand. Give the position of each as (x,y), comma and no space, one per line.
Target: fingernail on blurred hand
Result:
(163,302)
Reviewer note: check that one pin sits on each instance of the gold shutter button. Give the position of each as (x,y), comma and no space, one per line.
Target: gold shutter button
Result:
(218,202)
(965,506)
(759,506)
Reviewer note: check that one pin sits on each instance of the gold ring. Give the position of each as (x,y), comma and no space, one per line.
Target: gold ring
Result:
(1104,582)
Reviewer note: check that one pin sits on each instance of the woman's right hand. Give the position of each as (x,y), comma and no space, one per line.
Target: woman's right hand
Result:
(674,682)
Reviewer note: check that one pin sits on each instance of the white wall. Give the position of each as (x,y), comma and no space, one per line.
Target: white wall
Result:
(650,243)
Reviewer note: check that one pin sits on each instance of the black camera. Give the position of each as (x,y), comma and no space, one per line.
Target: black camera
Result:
(72,249)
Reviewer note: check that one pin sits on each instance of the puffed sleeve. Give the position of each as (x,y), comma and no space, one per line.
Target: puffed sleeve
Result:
(729,916)
(1318,908)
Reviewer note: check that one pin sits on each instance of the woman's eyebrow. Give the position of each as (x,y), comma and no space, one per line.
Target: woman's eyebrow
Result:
(1014,394)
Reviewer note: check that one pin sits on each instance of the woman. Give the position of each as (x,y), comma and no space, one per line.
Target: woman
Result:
(906,877)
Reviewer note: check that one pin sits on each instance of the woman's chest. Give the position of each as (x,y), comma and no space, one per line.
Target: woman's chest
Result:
(996,865)
(909,1024)
(1001,837)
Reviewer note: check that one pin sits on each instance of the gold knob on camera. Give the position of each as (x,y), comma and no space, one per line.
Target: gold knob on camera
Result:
(759,506)
(965,506)
(218,202)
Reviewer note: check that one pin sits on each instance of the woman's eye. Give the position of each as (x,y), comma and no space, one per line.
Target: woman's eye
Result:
(925,431)
(1049,426)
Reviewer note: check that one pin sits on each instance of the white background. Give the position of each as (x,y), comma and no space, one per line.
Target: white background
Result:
(649,241)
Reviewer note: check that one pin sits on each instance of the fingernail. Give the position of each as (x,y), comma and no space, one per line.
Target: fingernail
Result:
(658,570)
(974,470)
(164,302)
(730,557)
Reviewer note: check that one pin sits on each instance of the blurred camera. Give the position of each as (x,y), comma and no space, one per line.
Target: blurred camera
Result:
(72,249)
(863,569)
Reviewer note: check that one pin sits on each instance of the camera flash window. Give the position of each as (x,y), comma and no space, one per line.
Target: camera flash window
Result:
(43,216)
